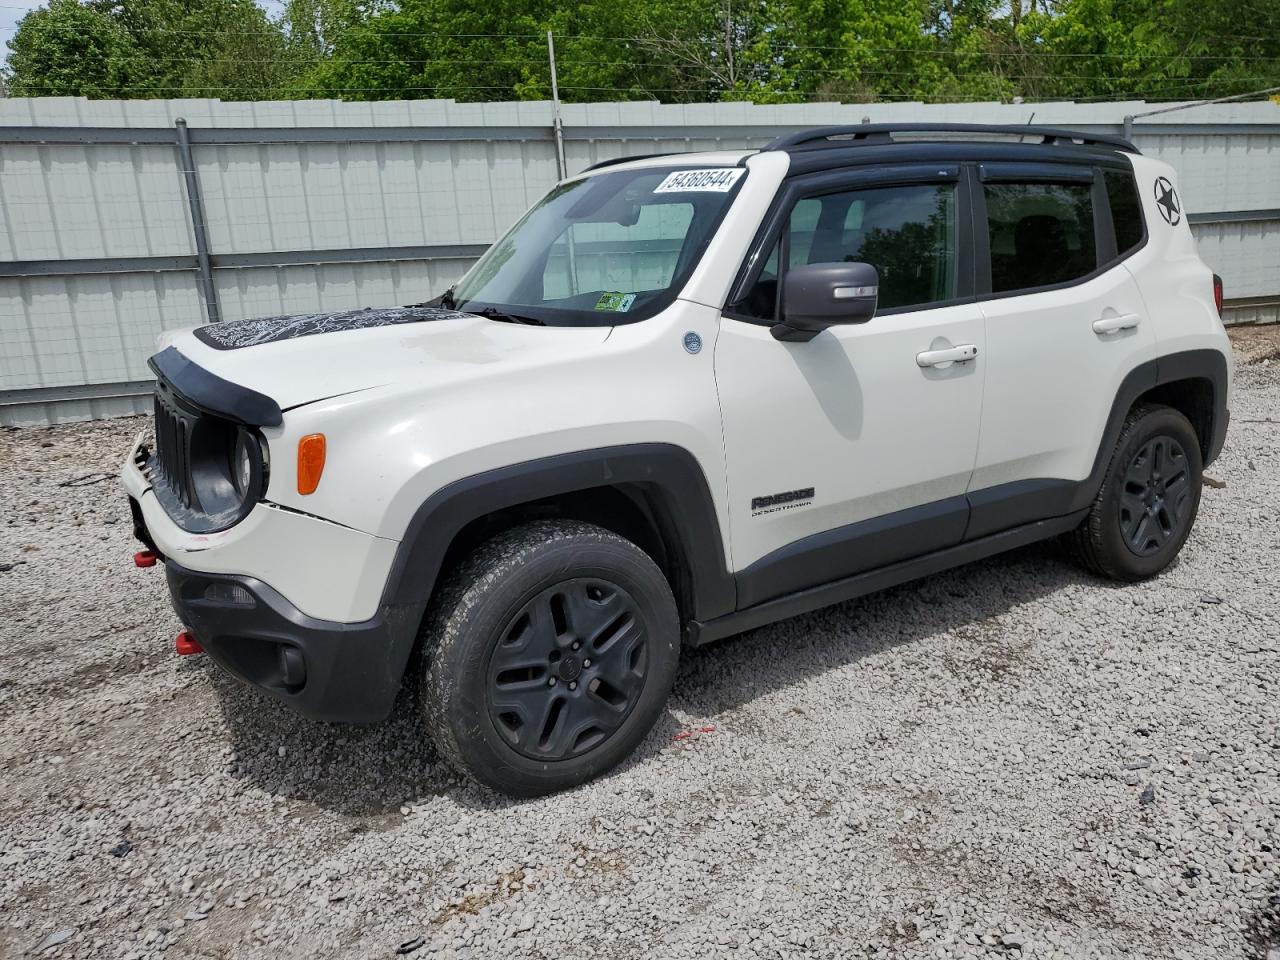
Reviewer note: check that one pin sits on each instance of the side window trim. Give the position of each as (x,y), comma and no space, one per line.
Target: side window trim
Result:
(773,228)
(784,262)
(966,253)
(1035,173)
(1104,230)
(981,232)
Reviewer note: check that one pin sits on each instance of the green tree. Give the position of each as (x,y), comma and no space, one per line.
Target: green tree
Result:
(149,48)
(424,48)
(1154,49)
(1215,49)
(471,50)
(312,26)
(761,50)
(68,49)
(214,48)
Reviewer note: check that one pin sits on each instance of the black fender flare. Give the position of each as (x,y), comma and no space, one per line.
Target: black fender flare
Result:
(670,476)
(1208,365)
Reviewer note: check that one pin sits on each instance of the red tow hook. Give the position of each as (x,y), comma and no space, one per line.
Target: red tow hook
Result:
(187,645)
(145,558)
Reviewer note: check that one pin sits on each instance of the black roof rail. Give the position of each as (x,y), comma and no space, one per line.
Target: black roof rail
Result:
(639,156)
(883,132)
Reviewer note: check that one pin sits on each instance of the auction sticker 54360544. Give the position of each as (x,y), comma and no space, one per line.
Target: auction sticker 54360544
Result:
(714,180)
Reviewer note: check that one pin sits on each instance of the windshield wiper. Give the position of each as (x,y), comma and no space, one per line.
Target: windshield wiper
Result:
(444,302)
(491,313)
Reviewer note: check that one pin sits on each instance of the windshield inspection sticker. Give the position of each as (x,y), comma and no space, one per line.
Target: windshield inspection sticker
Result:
(719,180)
(615,302)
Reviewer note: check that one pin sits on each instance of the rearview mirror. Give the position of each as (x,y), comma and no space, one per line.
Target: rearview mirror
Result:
(818,295)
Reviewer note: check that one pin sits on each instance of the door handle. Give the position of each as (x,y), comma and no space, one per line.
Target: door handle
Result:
(960,354)
(1125,321)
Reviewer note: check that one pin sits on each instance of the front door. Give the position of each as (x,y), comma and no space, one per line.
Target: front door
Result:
(855,449)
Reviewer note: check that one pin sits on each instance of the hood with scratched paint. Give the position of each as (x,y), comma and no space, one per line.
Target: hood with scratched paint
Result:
(301,359)
(238,334)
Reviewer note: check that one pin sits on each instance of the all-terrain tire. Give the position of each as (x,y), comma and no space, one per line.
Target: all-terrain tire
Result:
(1154,477)
(550,612)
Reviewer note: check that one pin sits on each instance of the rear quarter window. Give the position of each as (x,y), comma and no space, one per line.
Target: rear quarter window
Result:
(1126,210)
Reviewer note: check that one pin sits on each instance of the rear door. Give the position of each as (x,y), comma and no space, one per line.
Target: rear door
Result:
(1065,323)
(849,452)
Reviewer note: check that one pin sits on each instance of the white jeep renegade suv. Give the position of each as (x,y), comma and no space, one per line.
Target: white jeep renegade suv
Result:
(685,396)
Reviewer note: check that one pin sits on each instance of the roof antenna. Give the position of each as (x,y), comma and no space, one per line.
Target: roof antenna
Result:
(1029,119)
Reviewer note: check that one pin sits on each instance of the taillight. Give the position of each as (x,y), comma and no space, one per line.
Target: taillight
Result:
(1217,293)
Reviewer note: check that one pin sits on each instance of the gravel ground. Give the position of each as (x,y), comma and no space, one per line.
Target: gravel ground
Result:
(1013,759)
(1255,342)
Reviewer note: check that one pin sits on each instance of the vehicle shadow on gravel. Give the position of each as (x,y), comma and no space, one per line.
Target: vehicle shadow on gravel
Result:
(1262,930)
(367,771)
(724,676)
(371,771)
(351,769)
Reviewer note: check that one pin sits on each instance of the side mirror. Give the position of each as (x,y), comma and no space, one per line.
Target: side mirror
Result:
(817,295)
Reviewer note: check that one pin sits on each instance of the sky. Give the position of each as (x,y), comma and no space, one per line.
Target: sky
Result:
(11,11)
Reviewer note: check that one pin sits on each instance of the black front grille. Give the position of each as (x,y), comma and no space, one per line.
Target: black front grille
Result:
(190,468)
(171,465)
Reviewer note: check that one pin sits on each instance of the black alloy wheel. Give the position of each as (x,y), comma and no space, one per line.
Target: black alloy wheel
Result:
(1146,506)
(568,670)
(548,654)
(1156,497)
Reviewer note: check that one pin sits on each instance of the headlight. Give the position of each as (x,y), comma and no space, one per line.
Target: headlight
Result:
(242,463)
(228,469)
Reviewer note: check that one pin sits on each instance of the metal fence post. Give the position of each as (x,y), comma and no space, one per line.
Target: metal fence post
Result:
(198,226)
(557,125)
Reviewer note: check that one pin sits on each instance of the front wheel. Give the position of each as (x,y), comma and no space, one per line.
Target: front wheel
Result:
(1149,497)
(550,653)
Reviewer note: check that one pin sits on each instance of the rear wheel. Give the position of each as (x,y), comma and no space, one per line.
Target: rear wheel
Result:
(1149,498)
(551,653)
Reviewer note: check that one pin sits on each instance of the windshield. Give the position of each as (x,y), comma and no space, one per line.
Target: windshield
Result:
(608,249)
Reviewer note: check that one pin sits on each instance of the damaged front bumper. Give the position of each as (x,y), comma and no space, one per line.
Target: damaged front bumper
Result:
(287,602)
(348,672)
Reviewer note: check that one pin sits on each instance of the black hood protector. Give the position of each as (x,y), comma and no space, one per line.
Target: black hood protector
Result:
(209,393)
(250,333)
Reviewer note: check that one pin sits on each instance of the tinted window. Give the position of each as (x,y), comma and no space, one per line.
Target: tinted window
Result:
(804,228)
(1126,209)
(907,233)
(1041,234)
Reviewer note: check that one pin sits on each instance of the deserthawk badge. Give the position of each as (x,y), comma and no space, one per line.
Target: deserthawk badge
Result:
(1167,201)
(787,500)
(692,342)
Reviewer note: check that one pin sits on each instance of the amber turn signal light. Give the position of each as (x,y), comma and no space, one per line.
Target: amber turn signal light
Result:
(310,462)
